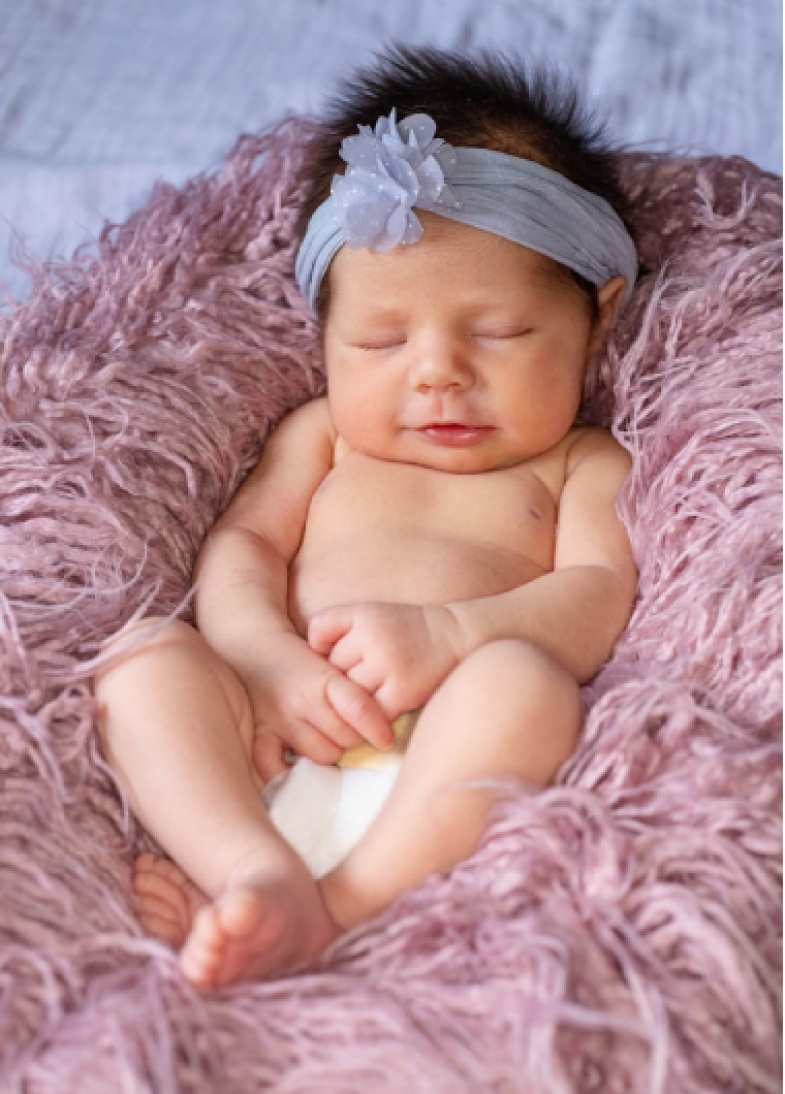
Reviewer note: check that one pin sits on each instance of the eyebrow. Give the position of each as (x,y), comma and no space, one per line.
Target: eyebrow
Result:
(369,314)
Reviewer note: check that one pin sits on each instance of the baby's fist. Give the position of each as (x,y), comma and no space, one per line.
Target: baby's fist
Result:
(399,653)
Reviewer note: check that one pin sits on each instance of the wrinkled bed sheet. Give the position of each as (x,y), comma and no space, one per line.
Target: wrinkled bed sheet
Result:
(100,98)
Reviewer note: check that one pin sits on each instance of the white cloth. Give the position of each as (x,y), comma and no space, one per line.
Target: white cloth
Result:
(323,812)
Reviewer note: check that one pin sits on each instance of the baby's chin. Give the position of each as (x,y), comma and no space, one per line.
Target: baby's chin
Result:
(487,454)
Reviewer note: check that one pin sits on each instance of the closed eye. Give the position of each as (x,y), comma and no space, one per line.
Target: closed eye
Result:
(503,335)
(388,344)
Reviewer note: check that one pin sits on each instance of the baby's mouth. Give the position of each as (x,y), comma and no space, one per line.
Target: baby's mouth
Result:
(457,434)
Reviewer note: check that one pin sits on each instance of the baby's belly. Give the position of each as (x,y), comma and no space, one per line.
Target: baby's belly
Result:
(401,569)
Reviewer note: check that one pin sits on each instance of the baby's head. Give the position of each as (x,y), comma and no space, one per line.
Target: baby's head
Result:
(467,262)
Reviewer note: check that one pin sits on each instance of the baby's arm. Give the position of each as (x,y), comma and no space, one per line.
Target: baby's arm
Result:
(576,612)
(298,698)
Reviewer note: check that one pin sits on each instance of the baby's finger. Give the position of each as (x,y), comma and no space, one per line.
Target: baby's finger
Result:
(359,710)
(309,741)
(367,677)
(389,701)
(345,654)
(268,756)
(329,723)
(328,626)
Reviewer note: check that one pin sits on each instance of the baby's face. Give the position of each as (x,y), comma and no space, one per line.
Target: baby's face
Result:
(463,352)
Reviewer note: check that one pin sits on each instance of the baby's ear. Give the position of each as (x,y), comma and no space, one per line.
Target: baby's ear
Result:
(609,299)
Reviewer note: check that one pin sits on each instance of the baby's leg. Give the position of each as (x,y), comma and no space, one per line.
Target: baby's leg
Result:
(507,710)
(177,728)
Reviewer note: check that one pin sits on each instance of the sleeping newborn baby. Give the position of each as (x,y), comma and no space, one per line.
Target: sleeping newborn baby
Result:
(409,588)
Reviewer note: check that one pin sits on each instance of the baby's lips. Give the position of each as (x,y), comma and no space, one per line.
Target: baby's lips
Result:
(458,434)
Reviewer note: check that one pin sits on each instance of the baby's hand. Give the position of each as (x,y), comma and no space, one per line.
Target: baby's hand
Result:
(302,702)
(399,653)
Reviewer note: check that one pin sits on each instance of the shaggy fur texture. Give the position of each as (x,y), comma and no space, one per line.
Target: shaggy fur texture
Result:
(618,932)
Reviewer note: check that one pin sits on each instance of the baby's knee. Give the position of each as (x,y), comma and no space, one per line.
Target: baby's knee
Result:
(523,672)
(140,655)
(151,653)
(158,655)
(142,648)
(150,632)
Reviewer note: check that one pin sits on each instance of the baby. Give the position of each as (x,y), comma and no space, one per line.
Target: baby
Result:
(437,534)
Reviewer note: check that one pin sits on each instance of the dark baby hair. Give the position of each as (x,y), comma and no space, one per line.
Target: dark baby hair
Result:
(482,101)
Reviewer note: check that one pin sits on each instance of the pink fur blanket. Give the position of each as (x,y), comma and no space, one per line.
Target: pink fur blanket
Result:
(619,932)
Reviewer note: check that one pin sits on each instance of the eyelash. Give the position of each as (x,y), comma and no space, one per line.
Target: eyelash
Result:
(370,347)
(504,337)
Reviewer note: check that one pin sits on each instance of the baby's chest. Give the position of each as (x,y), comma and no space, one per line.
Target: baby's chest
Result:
(509,508)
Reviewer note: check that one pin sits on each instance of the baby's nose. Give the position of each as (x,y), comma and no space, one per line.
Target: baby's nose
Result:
(441,364)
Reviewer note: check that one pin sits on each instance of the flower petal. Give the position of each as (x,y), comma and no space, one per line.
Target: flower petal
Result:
(422,125)
(360,151)
(396,223)
(431,179)
(414,229)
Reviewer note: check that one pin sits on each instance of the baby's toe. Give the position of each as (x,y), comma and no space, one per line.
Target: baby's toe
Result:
(172,872)
(147,866)
(162,928)
(201,954)
(153,887)
(162,918)
(146,861)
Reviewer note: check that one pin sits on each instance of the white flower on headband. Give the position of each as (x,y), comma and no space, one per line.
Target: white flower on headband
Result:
(392,168)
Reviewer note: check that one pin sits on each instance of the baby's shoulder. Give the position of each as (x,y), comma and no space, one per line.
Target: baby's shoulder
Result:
(313,414)
(584,446)
(308,423)
(320,419)
(593,456)
(589,441)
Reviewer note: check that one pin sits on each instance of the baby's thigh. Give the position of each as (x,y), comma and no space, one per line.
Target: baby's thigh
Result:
(171,660)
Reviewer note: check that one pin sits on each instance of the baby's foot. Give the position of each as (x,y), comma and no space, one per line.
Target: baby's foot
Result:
(263,924)
(167,899)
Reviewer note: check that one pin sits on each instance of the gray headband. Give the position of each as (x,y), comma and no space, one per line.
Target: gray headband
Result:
(397,166)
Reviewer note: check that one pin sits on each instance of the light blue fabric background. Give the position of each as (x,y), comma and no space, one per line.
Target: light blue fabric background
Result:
(99,98)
